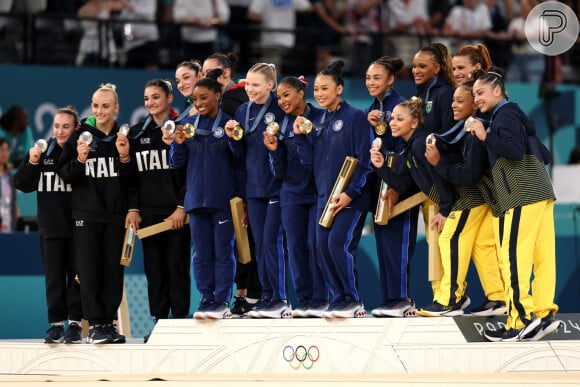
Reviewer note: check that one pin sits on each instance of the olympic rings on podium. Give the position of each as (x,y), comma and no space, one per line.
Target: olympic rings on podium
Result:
(301,356)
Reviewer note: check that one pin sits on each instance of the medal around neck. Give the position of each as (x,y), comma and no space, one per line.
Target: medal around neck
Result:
(124,129)
(189,130)
(306,126)
(42,144)
(238,133)
(377,143)
(86,137)
(381,128)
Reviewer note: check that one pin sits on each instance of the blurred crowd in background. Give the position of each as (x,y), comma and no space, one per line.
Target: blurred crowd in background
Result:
(300,36)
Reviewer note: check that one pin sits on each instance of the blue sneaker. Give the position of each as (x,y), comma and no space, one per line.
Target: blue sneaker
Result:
(218,311)
(316,309)
(55,334)
(257,310)
(301,310)
(395,308)
(350,309)
(204,305)
(276,309)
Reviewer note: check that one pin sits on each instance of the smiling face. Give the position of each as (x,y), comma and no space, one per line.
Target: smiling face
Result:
(258,87)
(105,108)
(327,92)
(425,68)
(185,79)
(206,101)
(62,127)
(157,101)
(486,96)
(462,67)
(378,80)
(403,124)
(290,100)
(463,104)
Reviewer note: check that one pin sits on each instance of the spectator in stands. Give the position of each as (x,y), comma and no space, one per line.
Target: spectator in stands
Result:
(438,11)
(329,27)
(527,64)
(97,46)
(141,40)
(242,32)
(467,23)
(276,15)
(15,129)
(200,19)
(363,22)
(408,22)
(8,209)
(496,42)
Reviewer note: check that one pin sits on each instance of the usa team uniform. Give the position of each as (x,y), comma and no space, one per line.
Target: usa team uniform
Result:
(344,132)
(395,241)
(298,207)
(263,198)
(211,184)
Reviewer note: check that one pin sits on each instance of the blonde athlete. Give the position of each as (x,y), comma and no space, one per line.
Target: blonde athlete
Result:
(526,197)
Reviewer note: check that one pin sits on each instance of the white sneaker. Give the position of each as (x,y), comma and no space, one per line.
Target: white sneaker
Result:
(316,309)
(395,308)
(218,311)
(350,310)
(277,309)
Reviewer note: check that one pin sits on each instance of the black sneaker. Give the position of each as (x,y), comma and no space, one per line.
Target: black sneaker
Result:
(55,334)
(548,324)
(99,335)
(73,334)
(493,335)
(118,338)
(241,307)
(439,310)
(513,334)
(490,308)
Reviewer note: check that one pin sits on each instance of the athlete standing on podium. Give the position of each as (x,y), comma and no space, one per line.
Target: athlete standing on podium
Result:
(100,213)
(396,240)
(341,131)
(166,256)
(54,202)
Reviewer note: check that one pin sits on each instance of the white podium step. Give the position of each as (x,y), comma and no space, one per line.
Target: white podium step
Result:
(294,346)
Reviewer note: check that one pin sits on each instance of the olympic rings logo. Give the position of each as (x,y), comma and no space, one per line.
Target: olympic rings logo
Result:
(301,356)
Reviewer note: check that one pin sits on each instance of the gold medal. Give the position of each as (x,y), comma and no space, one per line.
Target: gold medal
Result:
(238,133)
(306,126)
(189,130)
(273,128)
(381,128)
